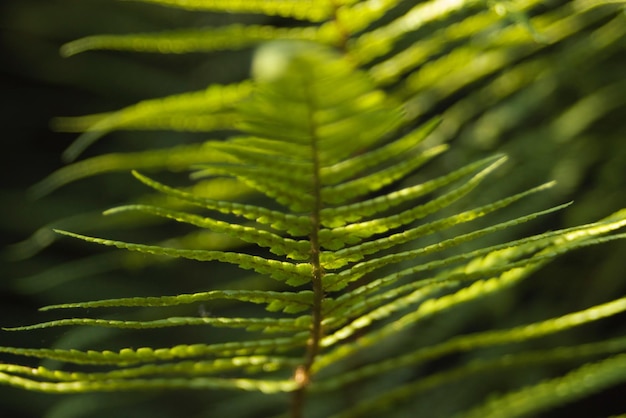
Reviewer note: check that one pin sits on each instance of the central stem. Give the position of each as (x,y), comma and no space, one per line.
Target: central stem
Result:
(303,372)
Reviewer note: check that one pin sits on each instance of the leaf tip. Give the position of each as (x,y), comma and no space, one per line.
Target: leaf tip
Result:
(72,48)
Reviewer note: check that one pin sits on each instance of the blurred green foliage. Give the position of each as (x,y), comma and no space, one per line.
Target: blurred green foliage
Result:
(558,112)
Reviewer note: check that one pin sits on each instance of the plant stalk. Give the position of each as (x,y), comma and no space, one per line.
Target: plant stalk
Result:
(302,375)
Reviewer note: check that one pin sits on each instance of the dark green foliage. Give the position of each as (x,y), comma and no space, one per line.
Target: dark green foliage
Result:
(364,269)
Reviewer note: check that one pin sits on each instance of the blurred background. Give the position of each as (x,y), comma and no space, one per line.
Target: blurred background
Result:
(559,113)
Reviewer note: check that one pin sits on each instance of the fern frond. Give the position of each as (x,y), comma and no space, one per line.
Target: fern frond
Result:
(338,216)
(380,41)
(252,324)
(202,111)
(293,224)
(484,339)
(128,356)
(234,36)
(276,301)
(522,246)
(430,307)
(511,274)
(263,386)
(585,380)
(349,190)
(377,226)
(361,14)
(298,9)
(565,22)
(175,159)
(358,252)
(216,366)
(292,274)
(296,250)
(530,358)
(349,167)
(362,255)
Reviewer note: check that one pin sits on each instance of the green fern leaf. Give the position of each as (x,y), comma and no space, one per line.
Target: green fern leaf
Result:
(250,364)
(293,224)
(363,253)
(129,356)
(253,324)
(293,274)
(583,381)
(296,250)
(299,9)
(287,302)
(344,170)
(380,225)
(485,339)
(201,40)
(203,111)
(529,358)
(263,386)
(175,159)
